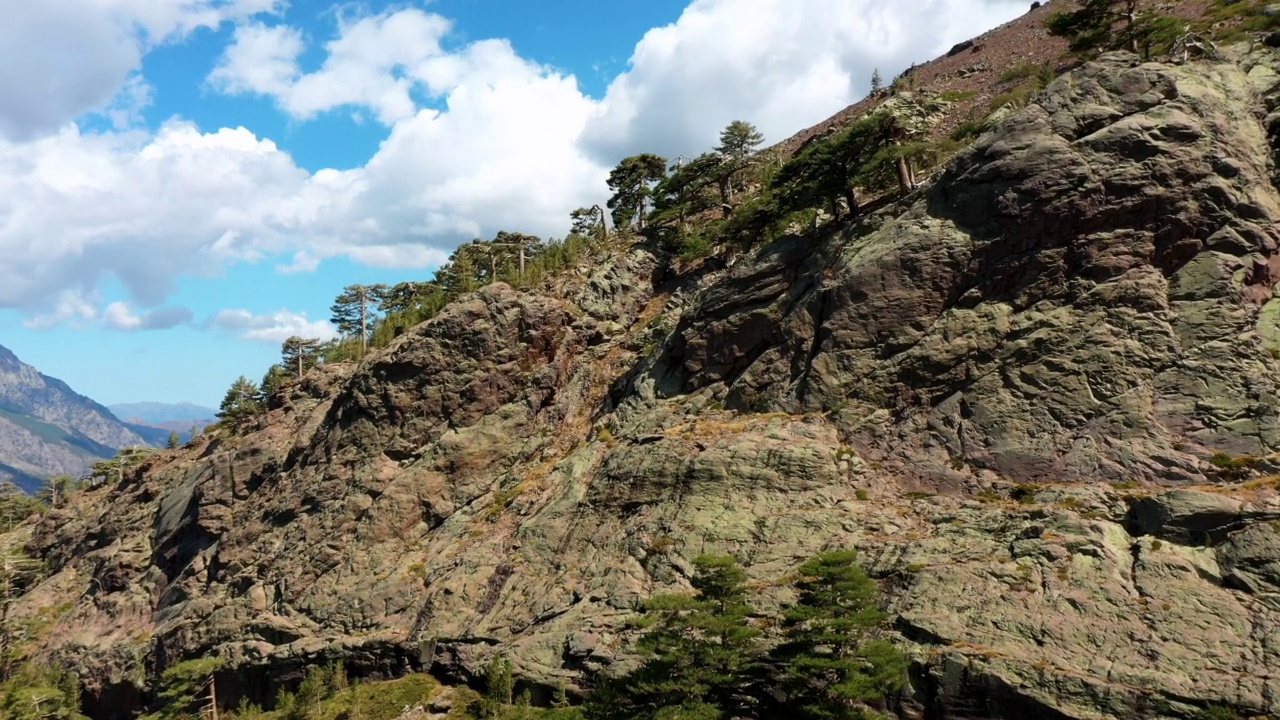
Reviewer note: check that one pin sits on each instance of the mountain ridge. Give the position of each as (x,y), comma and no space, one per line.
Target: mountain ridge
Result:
(47,428)
(1039,394)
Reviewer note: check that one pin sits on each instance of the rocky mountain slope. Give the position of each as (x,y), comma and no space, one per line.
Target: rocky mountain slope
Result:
(46,428)
(1039,394)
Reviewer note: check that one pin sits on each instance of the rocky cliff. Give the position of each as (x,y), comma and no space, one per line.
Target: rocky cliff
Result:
(46,428)
(1039,395)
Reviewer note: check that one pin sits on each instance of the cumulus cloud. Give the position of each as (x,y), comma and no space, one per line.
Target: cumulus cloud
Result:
(479,138)
(61,59)
(780,64)
(273,327)
(119,316)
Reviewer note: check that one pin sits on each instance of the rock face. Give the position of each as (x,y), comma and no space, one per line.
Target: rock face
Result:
(1082,296)
(1085,294)
(46,428)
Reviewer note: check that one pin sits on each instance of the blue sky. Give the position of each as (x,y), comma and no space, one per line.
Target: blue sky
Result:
(182,185)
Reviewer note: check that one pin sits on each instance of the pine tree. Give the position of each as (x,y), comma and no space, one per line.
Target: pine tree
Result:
(1098,25)
(174,441)
(738,141)
(353,311)
(703,652)
(632,182)
(499,684)
(297,355)
(272,381)
(55,489)
(833,664)
(241,401)
(877,82)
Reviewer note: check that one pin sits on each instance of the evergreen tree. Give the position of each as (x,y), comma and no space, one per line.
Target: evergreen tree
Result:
(632,181)
(588,222)
(274,379)
(1098,25)
(833,666)
(297,355)
(737,141)
(703,653)
(829,169)
(401,297)
(353,311)
(499,684)
(241,401)
(877,82)
(53,492)
(174,441)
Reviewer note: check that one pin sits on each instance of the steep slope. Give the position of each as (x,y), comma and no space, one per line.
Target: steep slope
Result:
(46,428)
(1084,295)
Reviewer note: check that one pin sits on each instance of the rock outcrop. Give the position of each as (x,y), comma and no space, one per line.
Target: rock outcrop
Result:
(1084,296)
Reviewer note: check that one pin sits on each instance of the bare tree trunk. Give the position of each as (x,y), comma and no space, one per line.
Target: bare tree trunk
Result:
(905,179)
(604,228)
(1131,13)
(213,696)
(364,320)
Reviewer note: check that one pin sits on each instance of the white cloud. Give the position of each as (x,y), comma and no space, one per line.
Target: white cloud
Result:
(119,316)
(780,64)
(61,58)
(261,60)
(479,138)
(273,327)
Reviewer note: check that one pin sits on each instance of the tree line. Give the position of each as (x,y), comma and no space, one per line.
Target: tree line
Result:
(371,316)
(709,655)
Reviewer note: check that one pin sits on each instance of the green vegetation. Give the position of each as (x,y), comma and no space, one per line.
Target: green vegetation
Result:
(1220,712)
(241,402)
(1042,73)
(55,489)
(40,692)
(1025,493)
(706,658)
(1231,467)
(632,184)
(1101,25)
(326,694)
(125,461)
(183,689)
(1230,20)
(954,96)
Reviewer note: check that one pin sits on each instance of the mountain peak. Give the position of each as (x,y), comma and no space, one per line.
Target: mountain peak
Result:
(46,428)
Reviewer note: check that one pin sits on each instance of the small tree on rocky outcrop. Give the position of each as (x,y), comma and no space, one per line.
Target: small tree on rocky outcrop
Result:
(1101,25)
(297,354)
(241,402)
(353,311)
(55,489)
(272,381)
(737,141)
(632,182)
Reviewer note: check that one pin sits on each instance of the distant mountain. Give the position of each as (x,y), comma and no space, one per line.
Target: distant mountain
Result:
(157,414)
(155,420)
(46,428)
